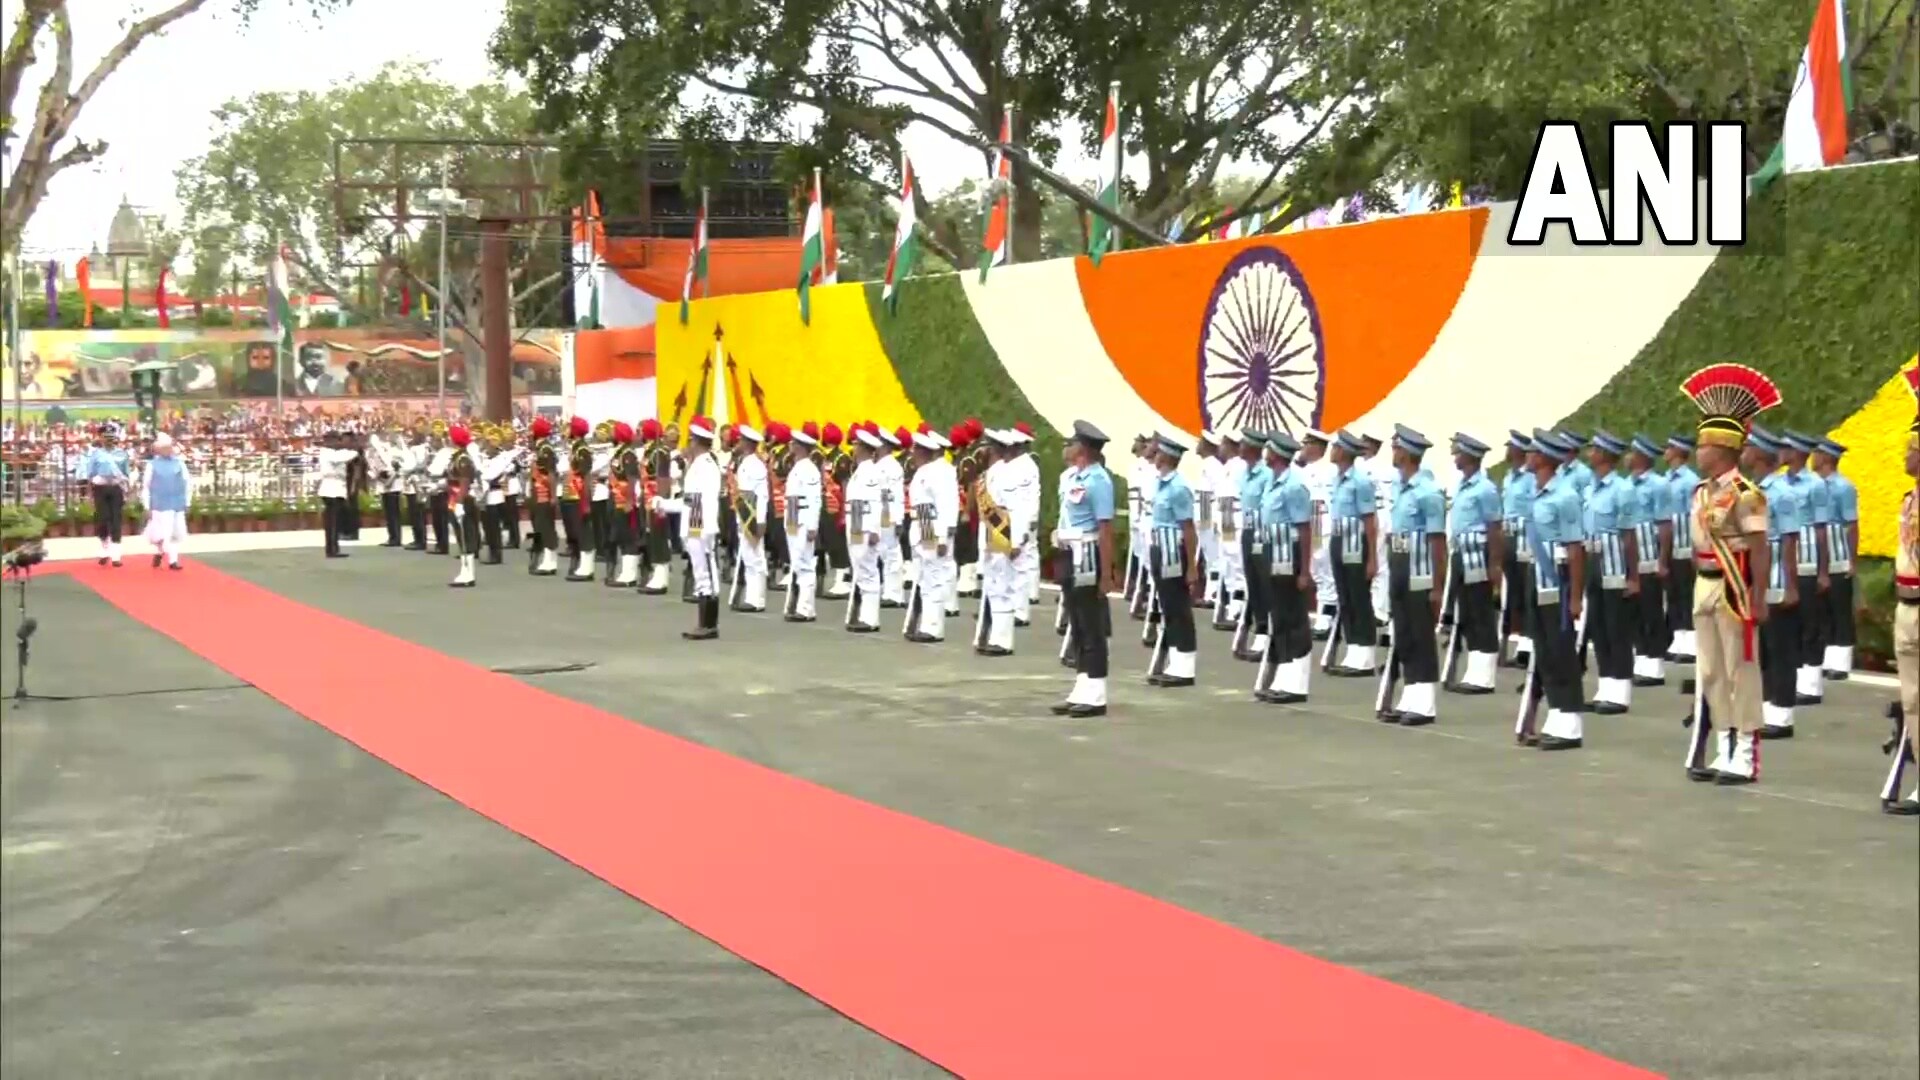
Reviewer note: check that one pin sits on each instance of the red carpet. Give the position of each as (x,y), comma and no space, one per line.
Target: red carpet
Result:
(986,961)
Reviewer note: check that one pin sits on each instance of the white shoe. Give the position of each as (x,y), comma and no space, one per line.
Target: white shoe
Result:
(629,570)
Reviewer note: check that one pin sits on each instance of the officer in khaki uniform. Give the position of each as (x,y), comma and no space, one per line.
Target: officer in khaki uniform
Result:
(1906,626)
(1729,516)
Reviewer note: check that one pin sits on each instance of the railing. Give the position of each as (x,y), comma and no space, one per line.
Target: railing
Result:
(227,470)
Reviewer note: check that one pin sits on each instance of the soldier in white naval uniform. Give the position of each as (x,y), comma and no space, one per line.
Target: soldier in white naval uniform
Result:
(1318,473)
(893,505)
(802,522)
(1000,580)
(865,532)
(1026,557)
(754,497)
(1207,482)
(935,497)
(698,507)
(1228,516)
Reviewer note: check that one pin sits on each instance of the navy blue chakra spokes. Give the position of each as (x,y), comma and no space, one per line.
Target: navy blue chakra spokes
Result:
(1262,360)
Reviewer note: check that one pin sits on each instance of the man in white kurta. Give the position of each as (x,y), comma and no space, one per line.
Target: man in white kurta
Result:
(698,505)
(802,522)
(936,514)
(166,490)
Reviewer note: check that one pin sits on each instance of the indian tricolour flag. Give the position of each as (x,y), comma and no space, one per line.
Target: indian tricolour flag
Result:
(1103,238)
(1815,133)
(813,251)
(279,299)
(994,246)
(906,241)
(696,260)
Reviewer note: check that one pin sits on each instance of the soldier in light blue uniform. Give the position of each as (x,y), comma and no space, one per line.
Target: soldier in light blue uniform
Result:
(108,472)
(1176,572)
(1252,630)
(1816,504)
(1356,528)
(1516,509)
(1088,568)
(1286,513)
(1780,634)
(1614,584)
(1843,538)
(1676,547)
(1555,536)
(1476,540)
(1577,470)
(1653,509)
(1416,557)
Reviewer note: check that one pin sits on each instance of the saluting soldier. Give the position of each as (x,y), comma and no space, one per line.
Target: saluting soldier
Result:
(1088,569)
(1843,539)
(1613,586)
(802,522)
(1416,552)
(1176,577)
(1477,543)
(1516,511)
(1653,508)
(1811,567)
(1906,626)
(1556,595)
(1733,568)
(1780,634)
(1355,528)
(1286,513)
(1677,544)
(543,485)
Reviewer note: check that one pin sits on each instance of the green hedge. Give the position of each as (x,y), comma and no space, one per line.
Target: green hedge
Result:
(950,371)
(1823,299)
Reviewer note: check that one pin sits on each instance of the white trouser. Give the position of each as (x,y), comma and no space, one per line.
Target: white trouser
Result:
(1323,586)
(753,569)
(1000,580)
(1026,572)
(933,577)
(865,558)
(1233,569)
(1209,540)
(700,560)
(893,584)
(165,530)
(805,570)
(1381,606)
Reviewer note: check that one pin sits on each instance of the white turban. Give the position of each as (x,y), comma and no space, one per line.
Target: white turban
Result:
(162,441)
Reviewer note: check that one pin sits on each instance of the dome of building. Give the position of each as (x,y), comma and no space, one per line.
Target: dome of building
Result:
(127,236)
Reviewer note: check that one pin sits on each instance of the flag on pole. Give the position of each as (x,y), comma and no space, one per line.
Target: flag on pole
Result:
(696,260)
(717,408)
(1814,135)
(1102,237)
(813,253)
(829,273)
(994,246)
(279,302)
(53,295)
(591,235)
(906,241)
(160,300)
(83,277)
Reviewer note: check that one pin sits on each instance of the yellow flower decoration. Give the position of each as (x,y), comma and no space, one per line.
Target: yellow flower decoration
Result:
(1875,438)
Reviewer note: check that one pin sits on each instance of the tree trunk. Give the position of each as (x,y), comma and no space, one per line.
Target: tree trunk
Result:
(1027,223)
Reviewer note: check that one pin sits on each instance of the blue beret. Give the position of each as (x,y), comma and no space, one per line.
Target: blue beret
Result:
(1349,441)
(1607,442)
(1166,445)
(1831,448)
(1467,444)
(1682,443)
(1643,445)
(1519,440)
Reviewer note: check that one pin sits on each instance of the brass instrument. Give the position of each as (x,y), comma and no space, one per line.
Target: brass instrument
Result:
(998,522)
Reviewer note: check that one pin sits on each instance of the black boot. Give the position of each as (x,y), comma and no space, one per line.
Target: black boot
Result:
(709,621)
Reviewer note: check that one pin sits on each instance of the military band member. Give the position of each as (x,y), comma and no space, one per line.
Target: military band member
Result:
(1026,557)
(1317,472)
(417,486)
(996,500)
(1843,539)
(440,452)
(462,507)
(385,461)
(1354,548)
(1176,576)
(750,498)
(970,451)
(656,468)
(1477,545)
(496,457)
(779,457)
(1613,579)
(1652,510)
(349,438)
(893,501)
(698,505)
(625,510)
(1206,485)
(1906,626)
(1733,569)
(543,485)
(1251,634)
(576,499)
(332,462)
(900,449)
(1812,570)
(1677,544)
(514,490)
(1286,514)
(1780,634)
(1556,596)
(1088,569)
(108,471)
(606,544)
(936,508)
(1416,555)
(1516,511)
(802,521)
(864,491)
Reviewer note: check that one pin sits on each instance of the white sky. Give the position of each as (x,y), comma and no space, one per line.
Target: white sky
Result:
(155,111)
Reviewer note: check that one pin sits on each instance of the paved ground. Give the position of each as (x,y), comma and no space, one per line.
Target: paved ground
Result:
(343,918)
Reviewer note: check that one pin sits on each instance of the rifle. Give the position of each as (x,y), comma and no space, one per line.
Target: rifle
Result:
(1902,750)
(1449,618)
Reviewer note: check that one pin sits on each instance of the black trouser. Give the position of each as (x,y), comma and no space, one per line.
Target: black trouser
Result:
(333,516)
(837,553)
(1259,575)
(490,515)
(659,551)
(1840,611)
(543,537)
(1175,601)
(1815,608)
(1416,652)
(417,519)
(1513,609)
(441,516)
(109,511)
(674,543)
(1355,591)
(1610,620)
(624,531)
(468,535)
(575,526)
(1780,638)
(1289,622)
(1476,614)
(1655,636)
(1679,596)
(350,517)
(510,520)
(600,515)
(777,552)
(1089,621)
(1556,668)
(390,509)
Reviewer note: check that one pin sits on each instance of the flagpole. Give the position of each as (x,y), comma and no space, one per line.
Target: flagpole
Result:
(280,333)
(440,312)
(1119,165)
(1011,165)
(706,279)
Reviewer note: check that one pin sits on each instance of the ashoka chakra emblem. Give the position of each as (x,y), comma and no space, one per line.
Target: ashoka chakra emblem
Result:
(1263,365)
